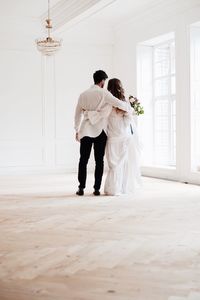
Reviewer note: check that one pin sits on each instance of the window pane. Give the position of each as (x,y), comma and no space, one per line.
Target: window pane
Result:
(161,123)
(173,85)
(195,97)
(164,105)
(161,53)
(161,68)
(161,87)
(161,107)
(173,58)
(161,138)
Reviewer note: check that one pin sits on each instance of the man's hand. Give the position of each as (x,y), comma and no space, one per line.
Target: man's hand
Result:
(120,111)
(77,137)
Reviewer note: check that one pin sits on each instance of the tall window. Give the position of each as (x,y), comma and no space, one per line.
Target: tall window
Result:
(195,96)
(164,104)
(156,90)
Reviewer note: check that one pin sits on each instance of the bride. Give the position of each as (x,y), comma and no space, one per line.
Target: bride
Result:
(122,148)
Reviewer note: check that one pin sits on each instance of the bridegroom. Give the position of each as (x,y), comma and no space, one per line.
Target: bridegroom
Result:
(94,134)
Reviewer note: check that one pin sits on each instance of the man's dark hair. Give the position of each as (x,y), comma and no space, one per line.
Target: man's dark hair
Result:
(99,75)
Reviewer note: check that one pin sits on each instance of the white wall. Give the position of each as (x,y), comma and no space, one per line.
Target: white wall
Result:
(21,105)
(88,51)
(174,16)
(38,96)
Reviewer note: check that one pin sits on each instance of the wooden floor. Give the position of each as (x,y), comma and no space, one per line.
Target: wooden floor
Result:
(57,246)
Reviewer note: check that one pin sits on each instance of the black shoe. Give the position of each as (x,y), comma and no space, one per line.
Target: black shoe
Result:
(80,192)
(96,193)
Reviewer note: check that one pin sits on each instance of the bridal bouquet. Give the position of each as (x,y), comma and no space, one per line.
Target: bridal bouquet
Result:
(135,103)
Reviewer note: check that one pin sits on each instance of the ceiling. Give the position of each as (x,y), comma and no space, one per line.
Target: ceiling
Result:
(24,8)
(66,12)
(112,12)
(122,10)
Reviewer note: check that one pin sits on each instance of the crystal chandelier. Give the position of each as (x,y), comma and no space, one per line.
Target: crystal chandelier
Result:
(48,46)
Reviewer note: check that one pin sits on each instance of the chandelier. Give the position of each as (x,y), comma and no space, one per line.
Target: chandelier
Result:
(48,46)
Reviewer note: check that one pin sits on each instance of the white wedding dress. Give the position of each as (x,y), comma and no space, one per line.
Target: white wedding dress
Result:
(122,152)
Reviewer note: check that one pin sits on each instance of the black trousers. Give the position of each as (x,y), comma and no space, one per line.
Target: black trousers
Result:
(99,144)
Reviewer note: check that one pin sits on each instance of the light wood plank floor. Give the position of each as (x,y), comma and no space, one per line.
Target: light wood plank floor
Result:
(58,246)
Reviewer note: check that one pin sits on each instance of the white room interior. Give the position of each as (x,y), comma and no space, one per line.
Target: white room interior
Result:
(39,94)
(153,46)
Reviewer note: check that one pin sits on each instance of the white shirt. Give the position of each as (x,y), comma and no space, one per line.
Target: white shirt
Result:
(90,101)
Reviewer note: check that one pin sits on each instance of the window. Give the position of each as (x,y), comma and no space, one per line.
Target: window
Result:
(156,91)
(195,96)
(164,104)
